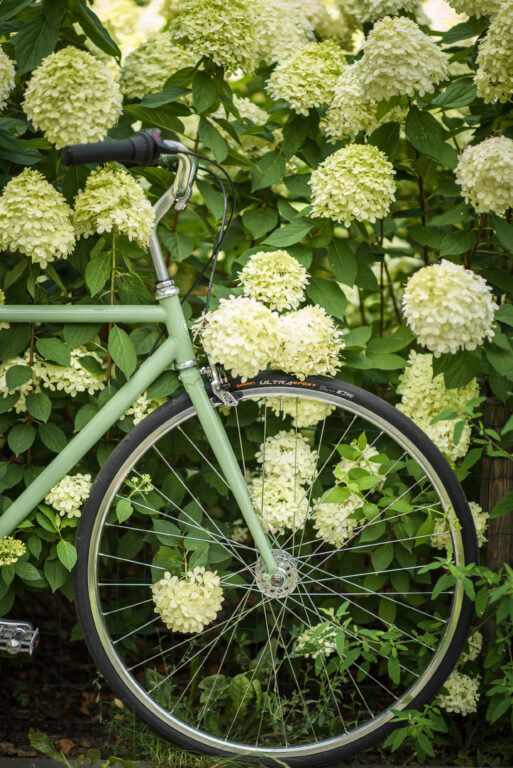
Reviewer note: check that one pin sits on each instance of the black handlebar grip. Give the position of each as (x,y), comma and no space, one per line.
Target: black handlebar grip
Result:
(141,149)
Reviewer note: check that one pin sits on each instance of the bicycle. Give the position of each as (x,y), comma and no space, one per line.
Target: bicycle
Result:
(331,617)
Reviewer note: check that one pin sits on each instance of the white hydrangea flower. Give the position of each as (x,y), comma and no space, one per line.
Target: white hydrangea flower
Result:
(73,98)
(371,10)
(474,647)
(275,278)
(400,60)
(7,79)
(351,112)
(242,335)
(288,453)
(146,69)
(364,459)
(281,502)
(310,343)
(356,182)
(130,23)
(113,201)
(307,78)
(47,234)
(485,174)
(143,406)
(72,378)
(441,538)
(335,522)
(250,143)
(2,301)
(304,412)
(329,20)
(30,387)
(239,532)
(11,550)
(477,8)
(449,308)
(282,29)
(69,495)
(319,640)
(462,694)
(424,396)
(494,76)
(225,30)
(188,604)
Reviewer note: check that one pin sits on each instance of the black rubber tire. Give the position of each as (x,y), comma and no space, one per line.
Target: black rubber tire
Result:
(268,381)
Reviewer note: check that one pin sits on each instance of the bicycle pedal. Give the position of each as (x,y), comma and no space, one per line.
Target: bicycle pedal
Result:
(18,637)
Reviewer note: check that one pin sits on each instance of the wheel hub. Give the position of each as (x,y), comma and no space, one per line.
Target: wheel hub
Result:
(283,582)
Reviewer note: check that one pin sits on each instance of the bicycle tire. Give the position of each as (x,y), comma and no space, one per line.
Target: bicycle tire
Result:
(120,666)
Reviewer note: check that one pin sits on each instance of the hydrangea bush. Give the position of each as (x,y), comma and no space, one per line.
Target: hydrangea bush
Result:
(373,240)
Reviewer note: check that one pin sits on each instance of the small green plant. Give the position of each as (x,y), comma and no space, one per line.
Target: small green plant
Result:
(419,728)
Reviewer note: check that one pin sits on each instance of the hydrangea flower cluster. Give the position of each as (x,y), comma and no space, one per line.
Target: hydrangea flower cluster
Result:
(275,278)
(350,110)
(307,78)
(494,76)
(449,308)
(2,301)
(400,60)
(188,604)
(462,694)
(329,20)
(424,396)
(131,23)
(11,550)
(6,78)
(304,412)
(225,30)
(371,10)
(252,144)
(319,640)
(242,335)
(73,98)
(69,495)
(364,459)
(72,378)
(143,406)
(476,8)
(47,234)
(280,501)
(282,29)
(113,201)
(146,69)
(474,647)
(288,453)
(335,522)
(485,174)
(28,388)
(239,532)
(441,538)
(310,343)
(356,182)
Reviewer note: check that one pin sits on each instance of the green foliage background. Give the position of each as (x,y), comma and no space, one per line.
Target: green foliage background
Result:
(429,221)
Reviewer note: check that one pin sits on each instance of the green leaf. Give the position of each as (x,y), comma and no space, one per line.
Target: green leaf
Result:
(457,242)
(290,234)
(295,131)
(124,510)
(386,138)
(260,221)
(298,185)
(76,335)
(500,359)
(342,261)
(167,96)
(20,438)
(268,170)
(98,272)
(463,31)
(55,574)
(158,117)
(458,369)
(67,554)
(399,340)
(17,375)
(504,506)
(386,362)
(122,350)
(53,349)
(211,137)
(16,151)
(458,94)
(382,556)
(204,92)
(178,244)
(36,40)
(164,386)
(27,571)
(504,232)
(11,8)
(44,744)
(212,197)
(94,29)
(84,416)
(358,337)
(52,437)
(169,533)
(39,406)
(425,133)
(328,295)
(431,236)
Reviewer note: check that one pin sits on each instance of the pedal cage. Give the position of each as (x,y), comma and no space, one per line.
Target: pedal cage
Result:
(18,637)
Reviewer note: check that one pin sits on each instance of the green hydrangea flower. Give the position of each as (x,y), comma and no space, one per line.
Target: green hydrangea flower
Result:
(477,8)
(494,76)
(10,550)
(6,78)
(148,67)
(283,28)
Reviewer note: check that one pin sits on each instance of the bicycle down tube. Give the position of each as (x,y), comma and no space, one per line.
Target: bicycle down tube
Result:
(176,349)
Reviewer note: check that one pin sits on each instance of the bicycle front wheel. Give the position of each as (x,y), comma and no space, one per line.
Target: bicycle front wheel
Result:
(361,509)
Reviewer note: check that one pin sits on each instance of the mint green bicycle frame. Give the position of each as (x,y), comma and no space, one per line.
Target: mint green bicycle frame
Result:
(177,350)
